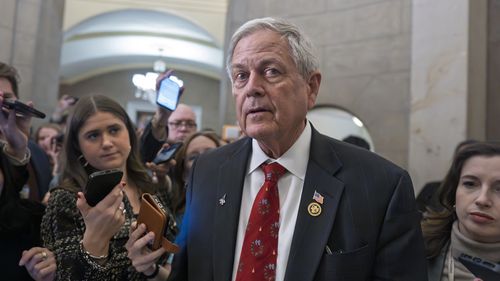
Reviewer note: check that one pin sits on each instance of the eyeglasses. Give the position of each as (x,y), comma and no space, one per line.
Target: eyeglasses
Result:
(186,123)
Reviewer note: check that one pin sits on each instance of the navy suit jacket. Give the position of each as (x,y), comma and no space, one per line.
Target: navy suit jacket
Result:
(369,220)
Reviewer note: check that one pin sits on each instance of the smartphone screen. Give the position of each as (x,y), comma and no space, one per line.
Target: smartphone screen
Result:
(167,153)
(168,94)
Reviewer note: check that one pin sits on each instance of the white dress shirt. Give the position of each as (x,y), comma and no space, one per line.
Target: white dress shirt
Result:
(290,189)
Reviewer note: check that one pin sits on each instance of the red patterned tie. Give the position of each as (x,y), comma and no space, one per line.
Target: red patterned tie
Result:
(260,246)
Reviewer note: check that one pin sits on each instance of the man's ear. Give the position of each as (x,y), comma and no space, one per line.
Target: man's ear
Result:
(313,84)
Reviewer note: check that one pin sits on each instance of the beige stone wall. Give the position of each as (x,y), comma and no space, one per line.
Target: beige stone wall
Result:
(30,36)
(493,82)
(415,72)
(364,49)
(448,84)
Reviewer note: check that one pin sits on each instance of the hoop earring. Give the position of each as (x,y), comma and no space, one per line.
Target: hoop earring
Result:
(83,161)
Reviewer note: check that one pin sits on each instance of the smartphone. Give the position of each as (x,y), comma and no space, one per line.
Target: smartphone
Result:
(481,268)
(59,139)
(100,184)
(169,92)
(23,109)
(166,154)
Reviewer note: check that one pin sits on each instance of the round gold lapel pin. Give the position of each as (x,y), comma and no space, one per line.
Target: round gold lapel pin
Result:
(314,209)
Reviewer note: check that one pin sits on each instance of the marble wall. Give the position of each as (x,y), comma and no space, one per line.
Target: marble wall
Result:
(365,52)
(447,83)
(30,36)
(422,75)
(493,76)
(413,71)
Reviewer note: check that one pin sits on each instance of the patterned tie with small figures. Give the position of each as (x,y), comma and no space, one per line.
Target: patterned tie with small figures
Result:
(260,246)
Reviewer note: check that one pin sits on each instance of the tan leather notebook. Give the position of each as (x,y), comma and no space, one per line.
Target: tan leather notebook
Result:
(154,216)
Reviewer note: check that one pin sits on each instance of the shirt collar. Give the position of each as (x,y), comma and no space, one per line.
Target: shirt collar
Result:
(294,159)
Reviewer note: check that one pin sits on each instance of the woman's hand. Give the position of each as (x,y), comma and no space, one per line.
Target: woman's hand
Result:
(102,221)
(143,259)
(40,263)
(160,171)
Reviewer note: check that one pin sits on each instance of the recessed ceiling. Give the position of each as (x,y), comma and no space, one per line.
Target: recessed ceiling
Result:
(135,38)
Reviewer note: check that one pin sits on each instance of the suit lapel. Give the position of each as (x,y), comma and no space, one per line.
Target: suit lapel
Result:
(311,233)
(229,189)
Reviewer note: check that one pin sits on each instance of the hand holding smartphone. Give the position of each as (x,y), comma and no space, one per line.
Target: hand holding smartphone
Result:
(166,154)
(169,92)
(100,184)
(22,109)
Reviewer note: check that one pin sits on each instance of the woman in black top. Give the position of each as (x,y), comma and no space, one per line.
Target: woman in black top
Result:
(89,241)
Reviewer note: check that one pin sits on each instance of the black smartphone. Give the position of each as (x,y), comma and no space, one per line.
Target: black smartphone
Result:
(169,92)
(166,154)
(486,270)
(23,109)
(100,184)
(59,139)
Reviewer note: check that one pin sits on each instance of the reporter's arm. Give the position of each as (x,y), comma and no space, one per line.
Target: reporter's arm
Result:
(149,145)
(15,130)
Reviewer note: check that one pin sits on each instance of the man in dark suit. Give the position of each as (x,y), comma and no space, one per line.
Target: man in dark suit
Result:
(344,212)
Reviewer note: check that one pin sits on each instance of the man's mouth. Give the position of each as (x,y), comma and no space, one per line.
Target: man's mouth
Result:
(257,110)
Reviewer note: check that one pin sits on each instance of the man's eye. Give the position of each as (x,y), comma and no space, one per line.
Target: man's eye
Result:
(240,76)
(271,72)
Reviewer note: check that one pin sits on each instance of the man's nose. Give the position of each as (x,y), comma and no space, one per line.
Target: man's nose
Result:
(255,85)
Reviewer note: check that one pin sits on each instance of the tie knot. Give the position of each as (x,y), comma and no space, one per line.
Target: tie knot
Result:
(273,171)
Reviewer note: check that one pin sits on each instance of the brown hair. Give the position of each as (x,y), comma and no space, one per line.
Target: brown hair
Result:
(437,224)
(10,73)
(46,125)
(178,194)
(74,172)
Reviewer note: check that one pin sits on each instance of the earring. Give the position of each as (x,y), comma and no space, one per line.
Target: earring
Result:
(83,161)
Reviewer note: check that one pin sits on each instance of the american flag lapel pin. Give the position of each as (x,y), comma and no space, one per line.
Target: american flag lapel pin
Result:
(314,209)
(318,197)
